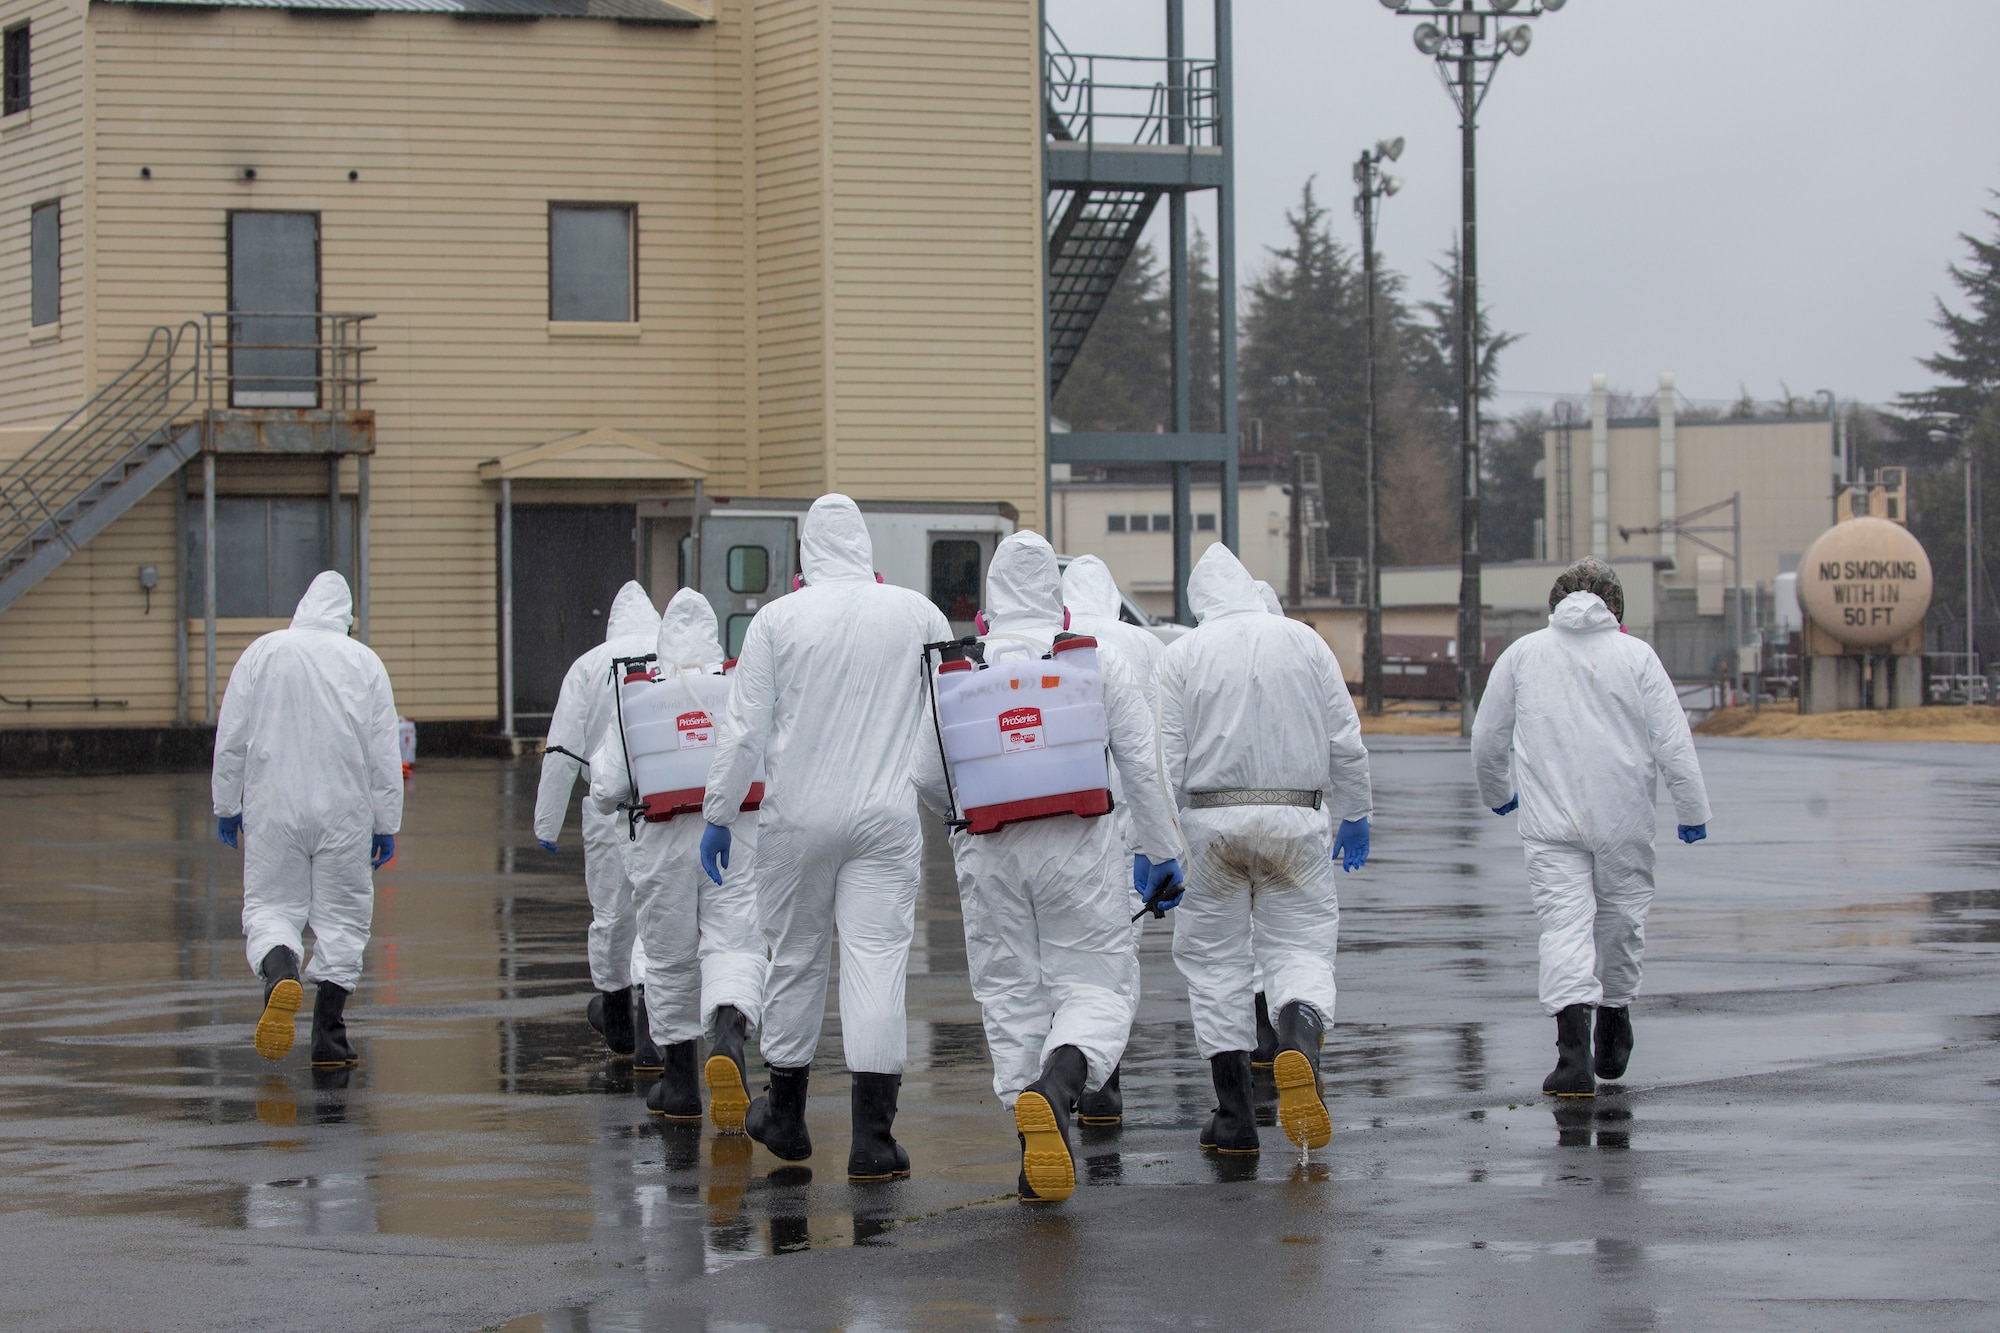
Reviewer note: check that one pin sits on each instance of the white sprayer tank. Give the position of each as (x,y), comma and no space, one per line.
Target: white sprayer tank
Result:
(669,722)
(1024,734)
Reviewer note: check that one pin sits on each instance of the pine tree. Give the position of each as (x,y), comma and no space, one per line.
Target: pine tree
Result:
(1970,367)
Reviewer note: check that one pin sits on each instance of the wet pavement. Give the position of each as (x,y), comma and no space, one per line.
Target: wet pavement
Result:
(1806,1139)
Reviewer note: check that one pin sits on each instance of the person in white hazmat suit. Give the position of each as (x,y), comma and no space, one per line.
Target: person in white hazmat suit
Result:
(828,694)
(704,958)
(1265,1055)
(1590,722)
(1048,929)
(586,711)
(1091,596)
(309,768)
(1263,747)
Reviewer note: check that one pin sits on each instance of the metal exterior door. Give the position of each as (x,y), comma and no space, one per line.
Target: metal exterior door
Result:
(273,273)
(569,562)
(745,562)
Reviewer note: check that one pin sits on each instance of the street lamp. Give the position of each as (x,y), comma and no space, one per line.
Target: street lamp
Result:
(1955,433)
(1373,185)
(1468,42)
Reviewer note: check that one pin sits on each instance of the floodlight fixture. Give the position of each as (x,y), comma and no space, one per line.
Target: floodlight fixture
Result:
(1429,38)
(1389,148)
(1391,184)
(1518,39)
(1551,6)
(1502,6)
(1397,5)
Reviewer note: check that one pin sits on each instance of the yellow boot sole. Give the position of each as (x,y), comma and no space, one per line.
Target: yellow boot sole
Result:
(274,1028)
(728,1099)
(1300,1110)
(1045,1158)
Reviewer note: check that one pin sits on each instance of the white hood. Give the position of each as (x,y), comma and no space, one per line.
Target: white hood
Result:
(327,605)
(1023,588)
(631,614)
(1270,596)
(1583,613)
(834,543)
(1221,586)
(1089,590)
(688,635)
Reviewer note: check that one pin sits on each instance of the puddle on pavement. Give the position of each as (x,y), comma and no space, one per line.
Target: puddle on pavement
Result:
(485,1110)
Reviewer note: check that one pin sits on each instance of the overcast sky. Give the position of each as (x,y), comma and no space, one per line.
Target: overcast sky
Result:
(1740,191)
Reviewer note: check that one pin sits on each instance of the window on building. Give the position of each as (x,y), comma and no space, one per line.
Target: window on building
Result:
(45,258)
(749,569)
(1163,522)
(1204,523)
(591,263)
(268,550)
(1114,522)
(739,625)
(14,81)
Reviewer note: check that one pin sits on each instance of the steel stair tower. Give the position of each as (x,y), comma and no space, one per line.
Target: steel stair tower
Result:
(1120,133)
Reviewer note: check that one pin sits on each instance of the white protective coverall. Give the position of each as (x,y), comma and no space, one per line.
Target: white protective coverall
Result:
(1591,721)
(1048,903)
(1269,596)
(1091,595)
(702,946)
(1250,700)
(306,751)
(827,692)
(586,712)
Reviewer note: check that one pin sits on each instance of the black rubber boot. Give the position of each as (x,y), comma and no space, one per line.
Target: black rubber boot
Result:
(1571,1076)
(330,1048)
(1611,1041)
(778,1118)
(675,1096)
(1301,1108)
(1041,1119)
(282,997)
(617,1015)
(1106,1106)
(1267,1036)
(1232,1129)
(873,1153)
(646,1057)
(728,1084)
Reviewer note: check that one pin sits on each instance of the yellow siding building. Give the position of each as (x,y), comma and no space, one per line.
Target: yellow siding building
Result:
(829,214)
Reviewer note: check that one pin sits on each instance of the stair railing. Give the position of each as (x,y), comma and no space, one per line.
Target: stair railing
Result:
(63,464)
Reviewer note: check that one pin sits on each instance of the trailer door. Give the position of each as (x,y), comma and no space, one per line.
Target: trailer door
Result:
(745,562)
(957,585)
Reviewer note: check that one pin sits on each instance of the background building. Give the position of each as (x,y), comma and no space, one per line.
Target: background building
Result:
(597,255)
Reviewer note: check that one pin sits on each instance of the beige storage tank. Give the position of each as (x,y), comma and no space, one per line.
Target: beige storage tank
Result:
(1866,582)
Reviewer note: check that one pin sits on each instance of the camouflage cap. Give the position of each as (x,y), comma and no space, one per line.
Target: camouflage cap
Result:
(1593,576)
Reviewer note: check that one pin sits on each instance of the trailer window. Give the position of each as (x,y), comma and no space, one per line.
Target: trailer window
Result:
(738,627)
(749,569)
(955,578)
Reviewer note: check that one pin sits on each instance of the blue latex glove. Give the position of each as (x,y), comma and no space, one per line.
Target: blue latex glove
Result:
(1350,844)
(381,850)
(1513,804)
(1146,877)
(229,828)
(715,851)
(1692,832)
(547,846)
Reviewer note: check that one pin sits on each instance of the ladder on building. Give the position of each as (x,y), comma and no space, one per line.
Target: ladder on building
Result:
(1315,568)
(107,456)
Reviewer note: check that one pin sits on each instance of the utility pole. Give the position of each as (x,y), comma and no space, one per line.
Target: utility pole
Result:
(1374,185)
(1468,73)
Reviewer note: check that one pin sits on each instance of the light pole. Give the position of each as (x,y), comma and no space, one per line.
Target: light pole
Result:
(1955,432)
(1468,49)
(1374,184)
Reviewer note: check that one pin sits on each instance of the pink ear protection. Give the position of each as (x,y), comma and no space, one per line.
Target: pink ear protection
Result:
(1065,617)
(798,581)
(879,578)
(979,621)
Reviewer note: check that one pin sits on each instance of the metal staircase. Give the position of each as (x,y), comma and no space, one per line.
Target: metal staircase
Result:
(130,436)
(1094,233)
